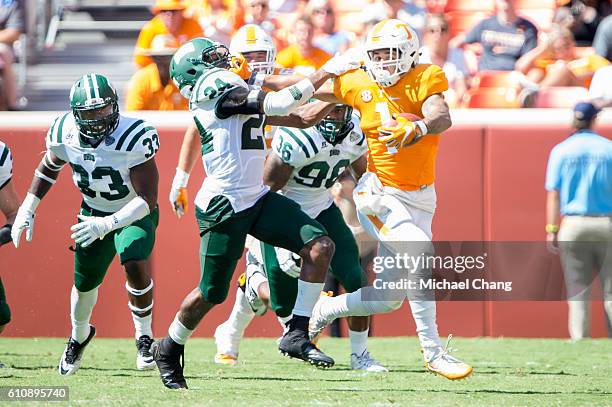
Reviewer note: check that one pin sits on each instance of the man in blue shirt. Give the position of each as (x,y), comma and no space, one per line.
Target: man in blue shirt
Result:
(579,185)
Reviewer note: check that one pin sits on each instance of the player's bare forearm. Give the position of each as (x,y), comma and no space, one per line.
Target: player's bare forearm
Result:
(278,82)
(9,35)
(276,172)
(9,202)
(304,116)
(436,115)
(552,207)
(40,186)
(320,77)
(190,149)
(144,178)
(359,167)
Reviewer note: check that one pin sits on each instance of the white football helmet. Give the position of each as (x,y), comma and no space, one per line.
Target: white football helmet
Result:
(250,38)
(403,45)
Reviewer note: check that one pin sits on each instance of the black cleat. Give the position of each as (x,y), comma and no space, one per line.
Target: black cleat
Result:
(71,358)
(170,359)
(295,344)
(144,358)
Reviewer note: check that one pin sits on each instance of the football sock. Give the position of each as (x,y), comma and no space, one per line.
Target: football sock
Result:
(359,341)
(307,296)
(353,304)
(178,332)
(255,280)
(284,322)
(241,314)
(142,325)
(81,307)
(424,314)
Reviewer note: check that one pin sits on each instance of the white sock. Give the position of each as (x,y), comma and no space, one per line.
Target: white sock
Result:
(359,341)
(241,314)
(353,304)
(256,280)
(283,322)
(307,296)
(142,325)
(424,314)
(81,307)
(178,332)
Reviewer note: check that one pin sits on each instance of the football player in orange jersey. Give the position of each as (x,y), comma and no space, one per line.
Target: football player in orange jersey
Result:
(396,197)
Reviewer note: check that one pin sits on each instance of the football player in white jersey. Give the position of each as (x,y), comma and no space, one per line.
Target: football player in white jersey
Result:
(9,203)
(112,158)
(303,166)
(233,201)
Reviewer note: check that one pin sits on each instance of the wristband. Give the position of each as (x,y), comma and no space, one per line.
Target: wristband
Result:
(181,178)
(550,228)
(422,127)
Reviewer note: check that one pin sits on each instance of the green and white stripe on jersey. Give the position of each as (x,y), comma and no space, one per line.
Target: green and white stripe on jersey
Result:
(57,129)
(131,135)
(4,153)
(302,139)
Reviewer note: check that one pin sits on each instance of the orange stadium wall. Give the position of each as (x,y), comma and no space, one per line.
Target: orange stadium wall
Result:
(490,178)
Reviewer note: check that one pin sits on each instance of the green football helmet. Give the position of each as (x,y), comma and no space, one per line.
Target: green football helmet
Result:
(194,58)
(337,124)
(93,101)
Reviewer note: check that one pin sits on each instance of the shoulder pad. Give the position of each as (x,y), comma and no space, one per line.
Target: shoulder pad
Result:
(215,83)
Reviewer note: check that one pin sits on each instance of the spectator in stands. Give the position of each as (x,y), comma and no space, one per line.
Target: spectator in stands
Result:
(258,12)
(579,185)
(603,39)
(601,87)
(303,56)
(554,62)
(405,10)
(151,88)
(580,18)
(326,36)
(452,60)
(169,19)
(218,18)
(505,37)
(12,24)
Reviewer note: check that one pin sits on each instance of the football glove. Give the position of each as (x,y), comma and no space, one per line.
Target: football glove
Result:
(240,67)
(340,64)
(289,262)
(90,229)
(24,219)
(178,193)
(403,134)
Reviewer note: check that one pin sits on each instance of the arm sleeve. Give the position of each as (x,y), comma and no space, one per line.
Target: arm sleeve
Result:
(239,100)
(474,34)
(553,176)
(6,165)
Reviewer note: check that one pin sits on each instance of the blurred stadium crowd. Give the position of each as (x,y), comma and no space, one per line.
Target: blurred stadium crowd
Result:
(495,53)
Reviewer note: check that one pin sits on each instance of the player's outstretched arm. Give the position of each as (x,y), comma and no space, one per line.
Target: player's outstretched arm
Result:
(304,116)
(276,172)
(189,155)
(44,177)
(436,115)
(9,203)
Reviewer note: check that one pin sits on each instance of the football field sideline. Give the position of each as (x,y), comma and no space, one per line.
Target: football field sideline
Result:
(507,372)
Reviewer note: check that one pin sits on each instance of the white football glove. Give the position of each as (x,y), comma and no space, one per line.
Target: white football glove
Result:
(288,261)
(90,229)
(340,64)
(23,221)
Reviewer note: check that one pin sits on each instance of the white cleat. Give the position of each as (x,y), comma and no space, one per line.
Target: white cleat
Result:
(317,321)
(73,353)
(227,346)
(367,363)
(144,358)
(443,364)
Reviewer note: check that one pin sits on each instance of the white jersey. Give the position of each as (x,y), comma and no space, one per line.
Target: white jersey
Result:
(6,165)
(103,173)
(317,163)
(233,148)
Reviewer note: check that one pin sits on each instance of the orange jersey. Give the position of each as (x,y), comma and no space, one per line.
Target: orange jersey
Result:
(411,167)
(146,92)
(189,29)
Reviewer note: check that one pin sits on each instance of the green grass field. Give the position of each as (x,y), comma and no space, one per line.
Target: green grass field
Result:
(507,372)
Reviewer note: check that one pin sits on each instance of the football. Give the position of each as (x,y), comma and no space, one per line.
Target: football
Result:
(411,117)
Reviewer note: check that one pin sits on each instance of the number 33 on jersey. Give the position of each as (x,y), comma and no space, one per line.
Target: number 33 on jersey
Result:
(102,174)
